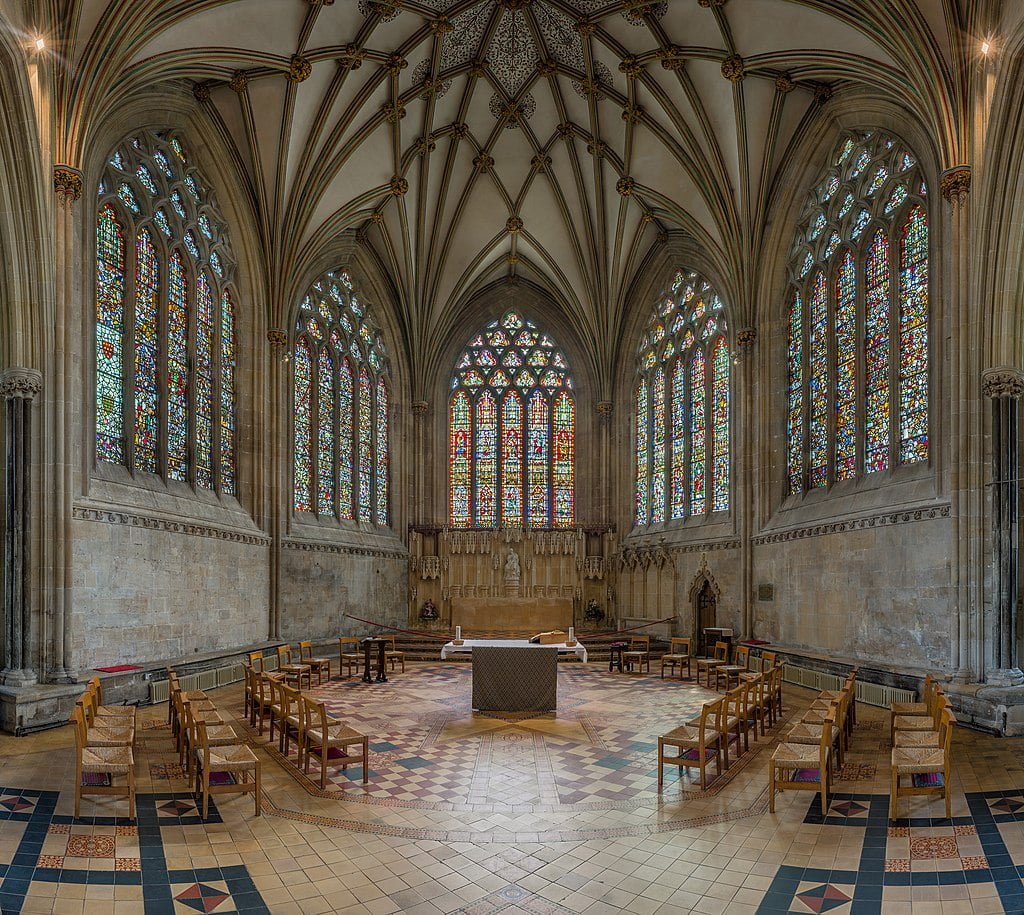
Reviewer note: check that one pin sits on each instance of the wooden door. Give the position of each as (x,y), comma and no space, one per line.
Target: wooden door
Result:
(706,613)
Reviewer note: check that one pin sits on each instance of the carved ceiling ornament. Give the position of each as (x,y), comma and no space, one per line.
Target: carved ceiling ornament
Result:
(822,93)
(399,186)
(733,68)
(239,81)
(1002,381)
(19,382)
(514,225)
(625,186)
(955,184)
(672,58)
(299,69)
(201,91)
(541,163)
(632,114)
(784,83)
(746,337)
(67,183)
(484,162)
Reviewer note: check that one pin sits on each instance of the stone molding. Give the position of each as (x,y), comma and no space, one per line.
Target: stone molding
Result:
(192,528)
(315,546)
(20,382)
(644,556)
(1002,381)
(841,527)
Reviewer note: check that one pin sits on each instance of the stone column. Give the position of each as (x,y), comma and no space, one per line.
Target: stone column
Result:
(604,485)
(19,387)
(1004,385)
(743,466)
(280,376)
(421,513)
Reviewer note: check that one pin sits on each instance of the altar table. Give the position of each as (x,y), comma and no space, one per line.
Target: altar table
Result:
(515,678)
(469,644)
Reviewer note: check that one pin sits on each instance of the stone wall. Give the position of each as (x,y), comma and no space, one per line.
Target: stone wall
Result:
(146,593)
(878,592)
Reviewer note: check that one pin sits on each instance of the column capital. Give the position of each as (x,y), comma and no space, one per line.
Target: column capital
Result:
(67,184)
(955,184)
(419,407)
(1002,381)
(604,410)
(20,382)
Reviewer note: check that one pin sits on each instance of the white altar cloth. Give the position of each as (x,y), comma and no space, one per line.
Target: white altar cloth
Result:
(466,647)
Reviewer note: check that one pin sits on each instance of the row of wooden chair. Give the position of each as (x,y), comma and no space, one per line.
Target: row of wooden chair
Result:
(275,705)
(216,759)
(104,747)
(922,734)
(752,706)
(814,745)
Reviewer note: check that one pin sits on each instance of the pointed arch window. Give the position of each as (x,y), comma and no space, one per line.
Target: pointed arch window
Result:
(165,318)
(683,407)
(858,344)
(341,460)
(512,430)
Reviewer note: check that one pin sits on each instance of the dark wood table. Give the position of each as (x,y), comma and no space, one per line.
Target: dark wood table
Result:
(615,656)
(368,644)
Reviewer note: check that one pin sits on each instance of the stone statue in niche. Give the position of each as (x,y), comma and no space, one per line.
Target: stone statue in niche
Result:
(512,568)
(428,611)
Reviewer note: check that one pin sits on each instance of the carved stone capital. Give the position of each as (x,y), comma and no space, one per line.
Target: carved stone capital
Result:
(67,183)
(23,383)
(277,338)
(746,337)
(419,407)
(955,184)
(604,409)
(1002,381)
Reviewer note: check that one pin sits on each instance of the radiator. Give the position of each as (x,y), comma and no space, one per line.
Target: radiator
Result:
(883,696)
(159,690)
(868,693)
(812,679)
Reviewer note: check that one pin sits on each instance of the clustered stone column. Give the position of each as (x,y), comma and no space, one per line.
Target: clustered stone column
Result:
(19,387)
(1004,386)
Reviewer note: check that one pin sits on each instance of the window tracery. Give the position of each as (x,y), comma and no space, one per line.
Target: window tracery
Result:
(165,318)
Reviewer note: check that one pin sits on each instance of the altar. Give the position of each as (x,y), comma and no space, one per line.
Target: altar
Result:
(512,614)
(515,678)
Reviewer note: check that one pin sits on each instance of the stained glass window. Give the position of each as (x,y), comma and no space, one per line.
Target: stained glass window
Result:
(683,414)
(303,449)
(858,354)
(178,373)
(349,399)
(512,430)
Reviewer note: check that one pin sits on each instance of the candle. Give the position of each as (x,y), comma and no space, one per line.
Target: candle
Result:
(458,633)
(572,635)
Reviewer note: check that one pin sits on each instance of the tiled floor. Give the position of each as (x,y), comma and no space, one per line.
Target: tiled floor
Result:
(522,813)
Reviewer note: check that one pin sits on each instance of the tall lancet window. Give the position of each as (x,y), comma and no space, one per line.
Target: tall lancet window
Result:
(165,318)
(340,467)
(858,345)
(512,430)
(682,405)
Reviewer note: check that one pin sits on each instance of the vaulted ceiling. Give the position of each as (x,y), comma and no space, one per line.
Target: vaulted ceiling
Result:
(556,140)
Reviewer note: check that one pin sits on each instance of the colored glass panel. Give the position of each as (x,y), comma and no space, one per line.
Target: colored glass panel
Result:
(563,461)
(677,477)
(204,393)
(177,369)
(325,437)
(876,354)
(643,475)
(658,447)
(147,318)
(698,433)
(110,281)
(346,440)
(818,379)
(913,355)
(485,462)
(512,460)
(537,461)
(846,369)
(795,418)
(720,425)
(365,447)
(383,453)
(303,439)
(227,393)
(460,448)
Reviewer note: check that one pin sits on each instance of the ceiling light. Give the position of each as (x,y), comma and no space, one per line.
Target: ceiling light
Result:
(985,48)
(40,44)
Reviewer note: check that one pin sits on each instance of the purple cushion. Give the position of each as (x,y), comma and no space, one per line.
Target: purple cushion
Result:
(807,775)
(927,780)
(694,755)
(95,780)
(334,753)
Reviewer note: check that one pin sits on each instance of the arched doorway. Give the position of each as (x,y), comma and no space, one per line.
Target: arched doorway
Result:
(704,596)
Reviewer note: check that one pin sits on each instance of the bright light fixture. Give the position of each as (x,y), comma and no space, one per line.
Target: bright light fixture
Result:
(985,48)
(40,44)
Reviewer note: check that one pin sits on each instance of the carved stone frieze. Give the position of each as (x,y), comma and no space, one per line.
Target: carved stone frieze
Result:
(134,519)
(840,527)
(315,546)
(23,383)
(1002,381)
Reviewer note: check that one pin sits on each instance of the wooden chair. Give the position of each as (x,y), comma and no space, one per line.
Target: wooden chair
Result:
(204,707)
(290,719)
(236,769)
(194,695)
(95,714)
(392,654)
(218,734)
(927,767)
(849,686)
(735,722)
(920,723)
(262,708)
(256,661)
(330,740)
(350,658)
(719,658)
(696,745)
(679,653)
(932,695)
(808,731)
(274,706)
(775,692)
(101,711)
(317,664)
(293,673)
(929,738)
(106,733)
(638,651)
(102,765)
(248,690)
(732,672)
(804,767)
(756,712)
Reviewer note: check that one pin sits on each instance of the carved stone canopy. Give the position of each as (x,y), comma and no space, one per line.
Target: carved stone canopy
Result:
(1002,381)
(20,382)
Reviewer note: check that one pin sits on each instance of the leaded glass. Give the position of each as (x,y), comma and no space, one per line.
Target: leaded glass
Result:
(302,435)
(698,432)
(460,433)
(720,425)
(876,354)
(795,419)
(677,475)
(643,473)
(658,447)
(846,369)
(110,320)
(227,392)
(147,319)
(204,393)
(913,354)
(346,439)
(522,464)
(383,455)
(818,366)
(177,369)
(325,439)
(364,445)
